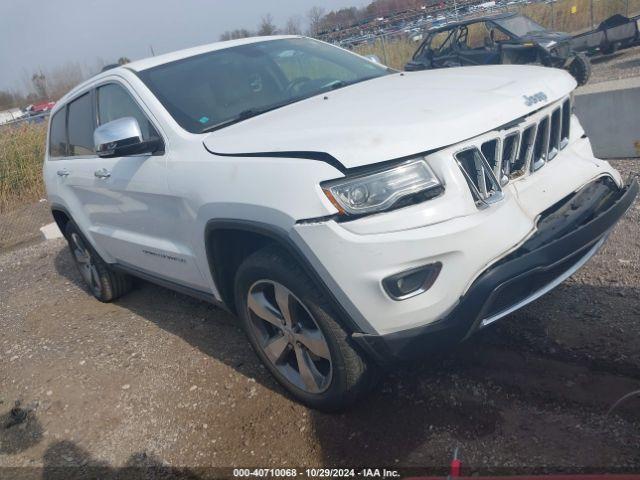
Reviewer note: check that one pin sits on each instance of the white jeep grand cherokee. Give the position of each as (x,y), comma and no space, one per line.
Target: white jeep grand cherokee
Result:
(349,214)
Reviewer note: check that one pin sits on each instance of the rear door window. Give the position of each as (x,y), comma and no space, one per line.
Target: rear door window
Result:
(58,134)
(81,126)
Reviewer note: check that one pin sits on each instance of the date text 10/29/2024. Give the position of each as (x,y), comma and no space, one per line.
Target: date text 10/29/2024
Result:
(315,473)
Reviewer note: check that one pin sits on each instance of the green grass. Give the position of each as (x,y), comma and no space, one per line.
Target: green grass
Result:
(21,156)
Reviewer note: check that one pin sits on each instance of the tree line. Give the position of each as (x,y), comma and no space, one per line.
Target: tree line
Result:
(318,20)
(41,86)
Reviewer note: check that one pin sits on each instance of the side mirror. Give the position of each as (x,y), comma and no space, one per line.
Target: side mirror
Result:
(123,137)
(373,58)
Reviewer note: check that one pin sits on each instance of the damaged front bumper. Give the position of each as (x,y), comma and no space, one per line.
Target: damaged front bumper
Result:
(568,235)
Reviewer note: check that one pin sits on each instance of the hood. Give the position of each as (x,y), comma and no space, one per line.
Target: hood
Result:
(397,115)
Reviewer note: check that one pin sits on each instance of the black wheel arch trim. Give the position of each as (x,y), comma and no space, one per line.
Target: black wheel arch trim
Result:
(56,207)
(281,237)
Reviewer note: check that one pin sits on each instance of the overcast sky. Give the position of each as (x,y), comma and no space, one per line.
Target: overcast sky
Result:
(48,33)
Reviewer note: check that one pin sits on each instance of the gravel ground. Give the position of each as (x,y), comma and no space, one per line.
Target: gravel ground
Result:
(21,225)
(623,64)
(161,379)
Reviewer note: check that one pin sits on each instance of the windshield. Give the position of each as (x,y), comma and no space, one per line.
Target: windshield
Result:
(215,89)
(519,26)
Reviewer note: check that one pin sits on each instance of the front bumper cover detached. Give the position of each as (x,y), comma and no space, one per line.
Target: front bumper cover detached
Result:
(568,234)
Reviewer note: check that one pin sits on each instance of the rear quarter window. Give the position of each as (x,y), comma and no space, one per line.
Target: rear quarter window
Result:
(58,134)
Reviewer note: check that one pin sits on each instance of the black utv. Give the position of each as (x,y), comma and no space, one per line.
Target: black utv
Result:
(508,38)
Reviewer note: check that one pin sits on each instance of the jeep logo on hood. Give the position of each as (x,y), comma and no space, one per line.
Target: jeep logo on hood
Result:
(529,101)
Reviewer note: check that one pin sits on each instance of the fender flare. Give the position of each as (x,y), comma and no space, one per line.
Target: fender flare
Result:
(281,237)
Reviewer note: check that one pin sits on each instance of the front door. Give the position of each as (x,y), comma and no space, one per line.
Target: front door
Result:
(128,213)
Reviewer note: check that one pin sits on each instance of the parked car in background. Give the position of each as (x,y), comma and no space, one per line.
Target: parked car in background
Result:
(500,39)
(345,233)
(38,108)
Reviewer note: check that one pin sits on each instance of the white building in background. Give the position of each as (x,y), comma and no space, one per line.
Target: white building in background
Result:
(11,114)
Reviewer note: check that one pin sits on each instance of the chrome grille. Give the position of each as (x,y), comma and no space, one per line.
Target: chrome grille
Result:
(566,123)
(541,145)
(509,162)
(526,146)
(491,151)
(515,151)
(556,133)
(482,182)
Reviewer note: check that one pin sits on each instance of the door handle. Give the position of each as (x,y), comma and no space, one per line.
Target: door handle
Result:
(102,173)
(63,172)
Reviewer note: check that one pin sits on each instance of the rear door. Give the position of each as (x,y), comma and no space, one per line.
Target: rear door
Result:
(73,159)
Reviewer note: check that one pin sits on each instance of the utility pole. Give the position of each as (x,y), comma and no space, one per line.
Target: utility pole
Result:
(455,9)
(591,7)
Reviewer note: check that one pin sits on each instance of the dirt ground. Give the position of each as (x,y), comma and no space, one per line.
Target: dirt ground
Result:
(161,379)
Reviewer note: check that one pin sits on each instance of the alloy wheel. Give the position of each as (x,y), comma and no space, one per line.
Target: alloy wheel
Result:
(289,336)
(85,263)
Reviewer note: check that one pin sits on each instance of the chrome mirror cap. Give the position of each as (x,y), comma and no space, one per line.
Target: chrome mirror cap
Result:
(113,137)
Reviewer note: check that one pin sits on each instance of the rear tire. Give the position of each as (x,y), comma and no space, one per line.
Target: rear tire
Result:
(580,68)
(334,374)
(103,283)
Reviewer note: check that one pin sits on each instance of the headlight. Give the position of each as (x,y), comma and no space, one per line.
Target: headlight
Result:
(383,189)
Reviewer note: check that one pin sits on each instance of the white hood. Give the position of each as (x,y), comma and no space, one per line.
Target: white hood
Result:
(397,115)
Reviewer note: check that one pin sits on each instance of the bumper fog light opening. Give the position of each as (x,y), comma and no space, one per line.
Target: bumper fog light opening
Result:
(410,283)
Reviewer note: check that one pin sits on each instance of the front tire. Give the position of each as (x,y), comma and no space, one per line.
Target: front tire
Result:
(580,68)
(103,283)
(293,329)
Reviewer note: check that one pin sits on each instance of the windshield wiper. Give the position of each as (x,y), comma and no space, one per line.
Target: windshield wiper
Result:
(341,83)
(253,112)
(249,113)
(335,85)
(244,115)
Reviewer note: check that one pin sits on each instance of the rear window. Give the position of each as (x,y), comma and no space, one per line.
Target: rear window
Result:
(58,134)
(81,126)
